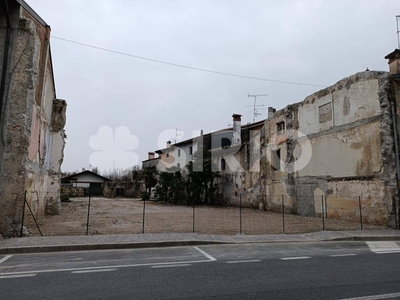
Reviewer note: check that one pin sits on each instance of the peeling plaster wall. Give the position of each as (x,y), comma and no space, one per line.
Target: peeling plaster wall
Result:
(56,157)
(20,98)
(351,152)
(348,130)
(31,144)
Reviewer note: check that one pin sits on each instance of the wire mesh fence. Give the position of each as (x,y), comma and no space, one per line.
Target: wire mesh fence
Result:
(284,214)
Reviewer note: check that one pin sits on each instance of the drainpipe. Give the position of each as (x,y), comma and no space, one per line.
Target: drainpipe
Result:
(5,61)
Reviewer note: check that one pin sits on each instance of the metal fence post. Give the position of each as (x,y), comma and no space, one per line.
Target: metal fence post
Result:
(322,212)
(283,214)
(359,204)
(395,212)
(326,207)
(194,215)
(88,214)
(144,214)
(33,216)
(23,215)
(240,209)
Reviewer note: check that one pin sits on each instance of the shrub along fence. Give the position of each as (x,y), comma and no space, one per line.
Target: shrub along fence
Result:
(304,213)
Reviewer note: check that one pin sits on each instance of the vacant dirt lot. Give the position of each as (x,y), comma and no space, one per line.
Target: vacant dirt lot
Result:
(117,216)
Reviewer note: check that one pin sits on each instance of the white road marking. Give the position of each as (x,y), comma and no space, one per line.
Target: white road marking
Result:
(383,247)
(375,297)
(387,252)
(5,258)
(242,261)
(172,266)
(105,267)
(297,257)
(17,276)
(343,255)
(93,271)
(205,254)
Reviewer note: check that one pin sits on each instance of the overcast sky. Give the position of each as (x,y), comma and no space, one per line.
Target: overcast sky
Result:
(128,106)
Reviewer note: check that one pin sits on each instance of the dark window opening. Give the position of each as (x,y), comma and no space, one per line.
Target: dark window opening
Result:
(225,143)
(276,160)
(190,150)
(179,152)
(280,127)
(223,164)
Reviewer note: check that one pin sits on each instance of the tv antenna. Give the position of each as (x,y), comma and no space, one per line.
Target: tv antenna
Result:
(178,135)
(255,111)
(398,31)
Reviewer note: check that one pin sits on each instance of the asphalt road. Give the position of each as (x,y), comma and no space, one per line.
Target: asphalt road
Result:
(325,270)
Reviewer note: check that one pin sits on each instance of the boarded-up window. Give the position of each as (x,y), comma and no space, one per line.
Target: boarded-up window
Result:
(325,113)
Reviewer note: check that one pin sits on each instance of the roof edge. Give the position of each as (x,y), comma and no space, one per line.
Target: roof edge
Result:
(32,12)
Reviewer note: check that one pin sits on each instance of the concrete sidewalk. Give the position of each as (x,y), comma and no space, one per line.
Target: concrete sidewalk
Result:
(125,241)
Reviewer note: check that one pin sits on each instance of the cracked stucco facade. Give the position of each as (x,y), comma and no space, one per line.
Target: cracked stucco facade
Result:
(32,124)
(336,146)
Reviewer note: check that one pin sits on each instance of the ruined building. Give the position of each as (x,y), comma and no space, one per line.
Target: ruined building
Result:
(329,153)
(32,119)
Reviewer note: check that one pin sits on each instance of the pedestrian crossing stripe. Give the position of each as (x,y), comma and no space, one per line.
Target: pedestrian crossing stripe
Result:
(384,247)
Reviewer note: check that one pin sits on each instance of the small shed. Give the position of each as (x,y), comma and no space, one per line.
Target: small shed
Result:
(92,182)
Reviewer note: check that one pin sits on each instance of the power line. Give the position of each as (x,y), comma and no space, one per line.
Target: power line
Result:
(184,66)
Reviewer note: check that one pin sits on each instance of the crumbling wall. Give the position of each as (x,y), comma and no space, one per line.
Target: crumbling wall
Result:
(21,96)
(53,200)
(33,148)
(347,130)
(388,175)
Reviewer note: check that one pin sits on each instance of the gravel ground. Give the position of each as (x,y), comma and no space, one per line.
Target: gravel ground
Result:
(124,216)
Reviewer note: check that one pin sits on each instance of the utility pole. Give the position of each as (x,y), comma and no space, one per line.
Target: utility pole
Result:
(255,112)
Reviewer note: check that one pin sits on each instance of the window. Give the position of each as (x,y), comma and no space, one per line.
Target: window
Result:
(167,154)
(190,150)
(225,143)
(280,127)
(178,165)
(179,152)
(223,164)
(325,113)
(276,160)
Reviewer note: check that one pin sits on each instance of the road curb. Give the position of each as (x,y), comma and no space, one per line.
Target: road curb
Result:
(158,244)
(64,248)
(367,238)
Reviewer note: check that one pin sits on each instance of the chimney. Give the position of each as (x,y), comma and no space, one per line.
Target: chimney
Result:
(271,111)
(168,144)
(237,129)
(394,61)
(150,155)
